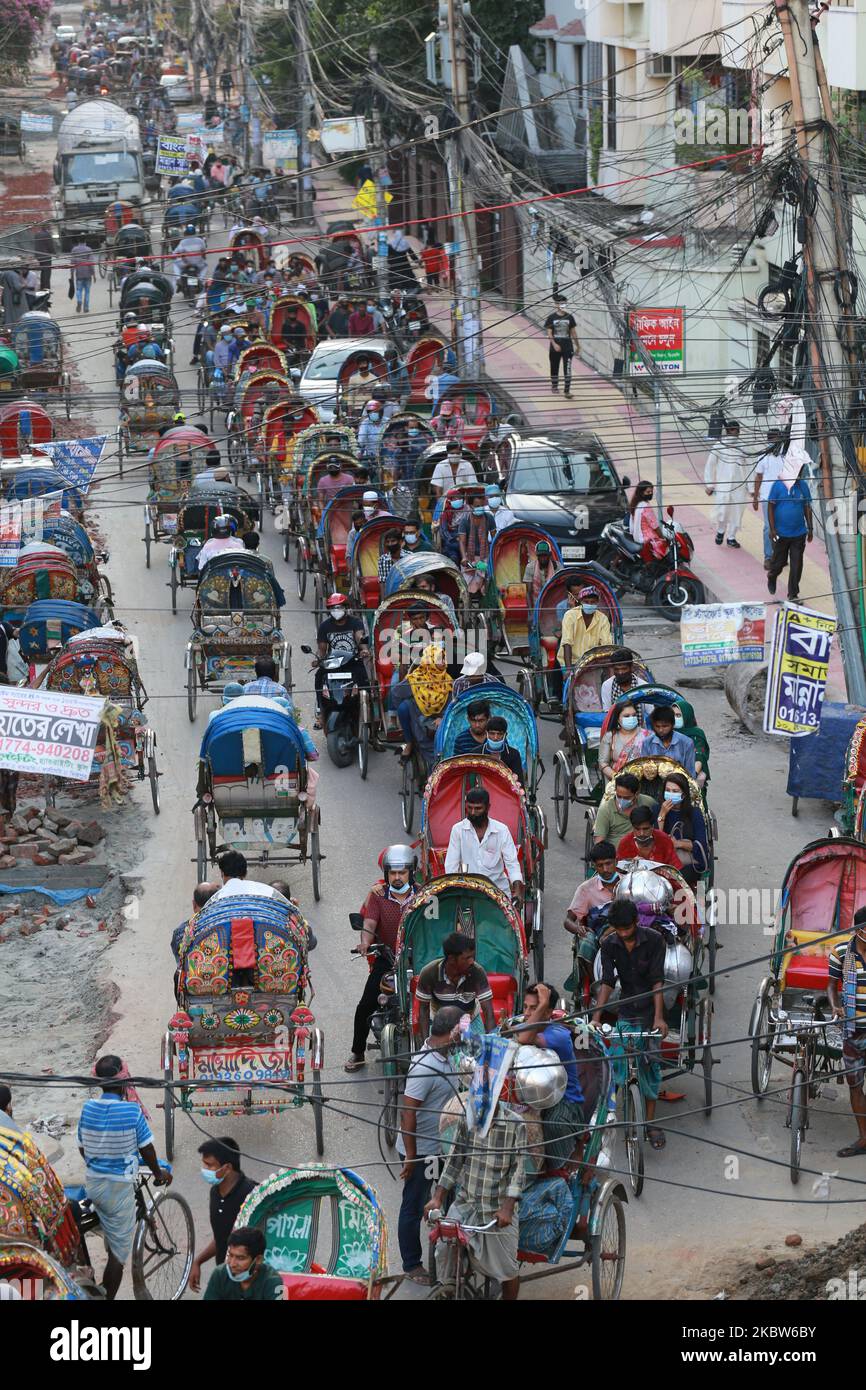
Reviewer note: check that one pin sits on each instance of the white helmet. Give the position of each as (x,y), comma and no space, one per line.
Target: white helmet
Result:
(399,857)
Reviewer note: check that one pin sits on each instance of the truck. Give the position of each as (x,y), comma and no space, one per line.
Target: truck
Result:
(99,160)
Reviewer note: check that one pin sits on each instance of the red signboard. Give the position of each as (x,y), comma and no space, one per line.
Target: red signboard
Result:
(661,333)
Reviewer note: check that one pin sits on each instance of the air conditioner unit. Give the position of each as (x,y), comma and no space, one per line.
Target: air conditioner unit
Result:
(660,65)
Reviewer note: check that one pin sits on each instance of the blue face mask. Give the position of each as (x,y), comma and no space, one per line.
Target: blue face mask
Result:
(495,503)
(678,721)
(674,798)
(456,506)
(494,745)
(589,608)
(413,434)
(239,1278)
(211,1176)
(477,511)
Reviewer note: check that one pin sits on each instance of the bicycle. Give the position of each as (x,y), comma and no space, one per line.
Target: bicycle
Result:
(631,1112)
(468,1284)
(164,1242)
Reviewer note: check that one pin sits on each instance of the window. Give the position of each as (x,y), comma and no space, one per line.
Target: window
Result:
(546,471)
(713,111)
(577,74)
(112,167)
(610,55)
(550,55)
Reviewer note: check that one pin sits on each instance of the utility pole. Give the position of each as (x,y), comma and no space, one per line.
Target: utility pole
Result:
(303,108)
(829,368)
(467,311)
(246,109)
(378,163)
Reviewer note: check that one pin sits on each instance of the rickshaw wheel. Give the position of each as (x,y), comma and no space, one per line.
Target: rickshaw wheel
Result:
(318,1113)
(67,395)
(561,782)
(147,541)
(191,690)
(407,796)
(389,1045)
(363,749)
(173,586)
(301,570)
(119,453)
(165,1238)
(608,1249)
(797,1121)
(200,394)
(761,1025)
(538,935)
(587,845)
(634,1134)
(168,1100)
(153,778)
(102,263)
(316,861)
(201,859)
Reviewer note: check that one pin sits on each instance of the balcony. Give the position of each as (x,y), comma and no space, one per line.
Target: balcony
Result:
(677,27)
(621,22)
(739,32)
(842,36)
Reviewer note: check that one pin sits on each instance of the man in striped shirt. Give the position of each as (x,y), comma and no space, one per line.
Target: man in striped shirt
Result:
(112,1134)
(847,992)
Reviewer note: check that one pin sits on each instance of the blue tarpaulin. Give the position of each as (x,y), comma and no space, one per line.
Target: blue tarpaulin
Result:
(62,896)
(816,764)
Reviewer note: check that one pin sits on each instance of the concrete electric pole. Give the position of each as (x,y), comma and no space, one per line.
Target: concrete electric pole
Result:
(825,264)
(467,310)
(378,163)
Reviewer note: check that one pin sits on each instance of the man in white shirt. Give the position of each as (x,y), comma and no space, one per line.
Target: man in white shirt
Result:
(726,481)
(233,867)
(766,473)
(222,539)
(452,471)
(479,845)
(502,515)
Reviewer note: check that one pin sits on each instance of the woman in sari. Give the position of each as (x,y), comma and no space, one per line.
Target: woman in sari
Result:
(644,522)
(621,740)
(684,723)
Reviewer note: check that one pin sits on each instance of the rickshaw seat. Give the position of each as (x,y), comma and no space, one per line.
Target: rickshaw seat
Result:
(243,943)
(235,796)
(370,591)
(339,555)
(318,1287)
(514,604)
(504,994)
(807,972)
(551,646)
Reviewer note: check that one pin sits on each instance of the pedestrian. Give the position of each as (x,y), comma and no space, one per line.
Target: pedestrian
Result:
(766,473)
(726,480)
(563,343)
(245,1277)
(633,957)
(229,1187)
(43,245)
(81,264)
(112,1133)
(14,296)
(789,517)
(434,258)
(431,1082)
(226,84)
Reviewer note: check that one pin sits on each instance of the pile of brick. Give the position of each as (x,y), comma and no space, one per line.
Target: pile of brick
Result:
(42,837)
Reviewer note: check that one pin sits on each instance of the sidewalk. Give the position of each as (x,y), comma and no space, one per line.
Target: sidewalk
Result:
(515,351)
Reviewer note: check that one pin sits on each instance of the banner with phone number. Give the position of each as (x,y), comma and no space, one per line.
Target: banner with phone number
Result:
(797,673)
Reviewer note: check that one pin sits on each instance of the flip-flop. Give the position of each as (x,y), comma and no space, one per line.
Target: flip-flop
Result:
(671,1097)
(656,1137)
(354,1066)
(852,1151)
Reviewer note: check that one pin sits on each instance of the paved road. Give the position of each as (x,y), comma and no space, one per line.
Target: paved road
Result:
(675,1235)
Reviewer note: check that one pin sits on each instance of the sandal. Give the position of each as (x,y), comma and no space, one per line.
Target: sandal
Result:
(852,1150)
(656,1137)
(418,1276)
(354,1063)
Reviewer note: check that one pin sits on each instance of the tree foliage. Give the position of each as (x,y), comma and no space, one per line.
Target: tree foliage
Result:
(21,24)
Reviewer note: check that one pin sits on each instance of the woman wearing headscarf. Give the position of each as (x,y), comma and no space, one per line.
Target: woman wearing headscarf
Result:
(644,522)
(684,723)
(421,713)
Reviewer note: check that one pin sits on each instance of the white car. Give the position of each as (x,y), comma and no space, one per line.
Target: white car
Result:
(65,33)
(177,85)
(318,385)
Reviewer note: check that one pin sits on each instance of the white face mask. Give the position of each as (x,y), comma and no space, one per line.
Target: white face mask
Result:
(369,511)
(338,613)
(401,888)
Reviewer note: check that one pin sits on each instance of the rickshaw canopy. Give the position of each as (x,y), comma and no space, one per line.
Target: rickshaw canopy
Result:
(269,932)
(251,573)
(474,907)
(406,572)
(249,724)
(546,622)
(522,727)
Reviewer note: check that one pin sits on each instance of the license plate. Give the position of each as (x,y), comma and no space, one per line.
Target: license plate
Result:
(192,282)
(573,552)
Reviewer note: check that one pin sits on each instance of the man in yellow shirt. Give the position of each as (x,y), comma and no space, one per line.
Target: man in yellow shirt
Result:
(583,625)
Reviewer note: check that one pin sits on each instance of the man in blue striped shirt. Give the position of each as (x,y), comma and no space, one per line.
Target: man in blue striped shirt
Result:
(112,1133)
(266,683)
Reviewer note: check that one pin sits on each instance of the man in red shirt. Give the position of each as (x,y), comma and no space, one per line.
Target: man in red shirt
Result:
(361,321)
(386,902)
(645,842)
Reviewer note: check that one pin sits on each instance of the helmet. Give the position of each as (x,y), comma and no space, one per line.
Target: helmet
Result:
(373,405)
(399,857)
(224,525)
(129,318)
(178,418)
(189,229)
(335,601)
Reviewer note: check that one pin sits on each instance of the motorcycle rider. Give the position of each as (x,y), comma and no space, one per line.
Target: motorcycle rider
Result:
(339,635)
(145,347)
(382,911)
(190,254)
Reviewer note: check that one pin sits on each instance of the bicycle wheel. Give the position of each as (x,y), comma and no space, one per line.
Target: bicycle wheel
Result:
(634,1132)
(561,792)
(797,1121)
(163,1248)
(407,796)
(608,1249)
(761,1029)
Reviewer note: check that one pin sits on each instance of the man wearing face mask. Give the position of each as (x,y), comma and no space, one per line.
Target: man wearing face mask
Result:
(584,626)
(447,526)
(665,740)
(496,745)
(479,845)
(372,505)
(229,1187)
(245,1277)
(339,635)
(622,681)
(370,430)
(502,515)
(334,479)
(392,551)
(454,471)
(584,911)
(645,842)
(382,911)
(540,568)
(614,814)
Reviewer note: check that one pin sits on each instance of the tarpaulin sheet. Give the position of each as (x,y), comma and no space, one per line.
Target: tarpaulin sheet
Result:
(816,764)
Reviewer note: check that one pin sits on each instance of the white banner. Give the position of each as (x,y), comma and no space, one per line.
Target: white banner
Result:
(47,732)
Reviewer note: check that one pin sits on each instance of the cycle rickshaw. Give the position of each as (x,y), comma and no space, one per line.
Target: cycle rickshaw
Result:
(71,537)
(132,243)
(235,618)
(792,1020)
(476,405)
(178,457)
(242,1039)
(149,400)
(364,586)
(472,906)
(540,680)
(332,533)
(248,240)
(399,460)
(511,550)
(194,526)
(254,791)
(276,327)
(282,424)
(255,392)
(309,511)
(48,624)
(38,341)
(349,400)
(577,778)
(849,817)
(423,356)
(24,425)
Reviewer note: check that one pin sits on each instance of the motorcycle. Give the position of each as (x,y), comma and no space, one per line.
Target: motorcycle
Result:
(189,282)
(667,583)
(341,706)
(388,1010)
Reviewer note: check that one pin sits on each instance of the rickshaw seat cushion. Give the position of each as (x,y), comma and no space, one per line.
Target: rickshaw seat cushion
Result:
(339,554)
(243,943)
(551,646)
(504,994)
(807,972)
(236,796)
(318,1287)
(514,602)
(370,591)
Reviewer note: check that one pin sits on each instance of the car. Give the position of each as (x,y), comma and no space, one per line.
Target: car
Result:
(567,485)
(318,385)
(65,33)
(177,86)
